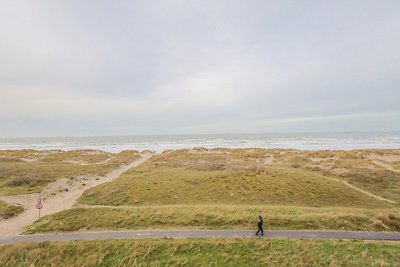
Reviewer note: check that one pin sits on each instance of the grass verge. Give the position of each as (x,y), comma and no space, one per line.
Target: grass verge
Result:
(202,252)
(219,217)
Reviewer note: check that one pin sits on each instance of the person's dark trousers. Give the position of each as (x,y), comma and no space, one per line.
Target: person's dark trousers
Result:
(260,229)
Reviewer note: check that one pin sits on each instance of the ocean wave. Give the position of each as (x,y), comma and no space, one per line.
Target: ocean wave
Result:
(344,141)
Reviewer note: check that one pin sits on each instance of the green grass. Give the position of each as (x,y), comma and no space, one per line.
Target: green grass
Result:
(219,217)
(202,252)
(181,177)
(21,177)
(8,211)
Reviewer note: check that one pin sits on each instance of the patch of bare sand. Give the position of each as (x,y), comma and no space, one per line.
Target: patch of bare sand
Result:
(202,150)
(269,159)
(29,160)
(57,196)
(390,158)
(85,163)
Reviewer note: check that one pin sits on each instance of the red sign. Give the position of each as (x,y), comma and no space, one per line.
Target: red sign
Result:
(39,206)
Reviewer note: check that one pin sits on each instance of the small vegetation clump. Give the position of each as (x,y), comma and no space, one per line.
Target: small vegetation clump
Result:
(8,211)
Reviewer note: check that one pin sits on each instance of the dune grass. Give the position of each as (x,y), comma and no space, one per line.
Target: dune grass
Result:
(8,211)
(202,252)
(19,176)
(82,156)
(357,167)
(218,217)
(183,177)
(229,188)
(384,183)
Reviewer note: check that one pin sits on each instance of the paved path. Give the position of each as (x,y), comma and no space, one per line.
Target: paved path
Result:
(389,236)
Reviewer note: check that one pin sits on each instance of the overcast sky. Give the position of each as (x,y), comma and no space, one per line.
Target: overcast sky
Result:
(77,68)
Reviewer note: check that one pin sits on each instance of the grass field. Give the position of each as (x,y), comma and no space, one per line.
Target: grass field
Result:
(202,252)
(277,186)
(229,188)
(219,217)
(8,211)
(267,177)
(28,171)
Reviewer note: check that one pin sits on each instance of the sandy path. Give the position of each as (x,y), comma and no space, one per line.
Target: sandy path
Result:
(54,200)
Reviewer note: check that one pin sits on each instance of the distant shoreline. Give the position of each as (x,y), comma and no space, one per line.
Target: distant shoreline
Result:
(207,149)
(300,141)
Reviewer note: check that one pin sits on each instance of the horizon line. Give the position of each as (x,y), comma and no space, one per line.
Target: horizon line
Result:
(204,134)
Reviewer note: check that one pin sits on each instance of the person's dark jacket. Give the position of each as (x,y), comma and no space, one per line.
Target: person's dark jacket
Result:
(260,223)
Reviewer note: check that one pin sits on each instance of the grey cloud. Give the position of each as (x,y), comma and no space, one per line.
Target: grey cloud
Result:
(133,67)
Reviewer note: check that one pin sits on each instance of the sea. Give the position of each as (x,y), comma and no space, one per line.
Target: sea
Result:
(303,141)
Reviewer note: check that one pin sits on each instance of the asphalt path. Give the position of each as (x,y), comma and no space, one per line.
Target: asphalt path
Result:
(387,236)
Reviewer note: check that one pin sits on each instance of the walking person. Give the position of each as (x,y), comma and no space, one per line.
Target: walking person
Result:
(260,225)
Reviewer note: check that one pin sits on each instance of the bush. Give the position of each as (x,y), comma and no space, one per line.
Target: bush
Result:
(27,181)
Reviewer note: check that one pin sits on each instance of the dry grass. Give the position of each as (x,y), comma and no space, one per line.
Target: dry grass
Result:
(396,165)
(84,156)
(223,176)
(219,217)
(19,176)
(202,252)
(8,211)
(228,188)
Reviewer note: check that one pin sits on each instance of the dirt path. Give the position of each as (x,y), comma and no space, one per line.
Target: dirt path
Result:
(57,196)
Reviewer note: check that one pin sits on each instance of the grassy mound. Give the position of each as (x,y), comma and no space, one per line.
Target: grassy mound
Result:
(219,217)
(237,177)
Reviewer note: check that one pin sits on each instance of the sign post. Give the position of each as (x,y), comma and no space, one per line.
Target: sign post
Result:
(39,205)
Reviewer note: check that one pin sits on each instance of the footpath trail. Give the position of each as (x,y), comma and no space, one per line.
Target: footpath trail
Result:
(55,201)
(387,236)
(361,190)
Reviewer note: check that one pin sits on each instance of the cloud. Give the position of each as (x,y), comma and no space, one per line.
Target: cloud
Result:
(198,66)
